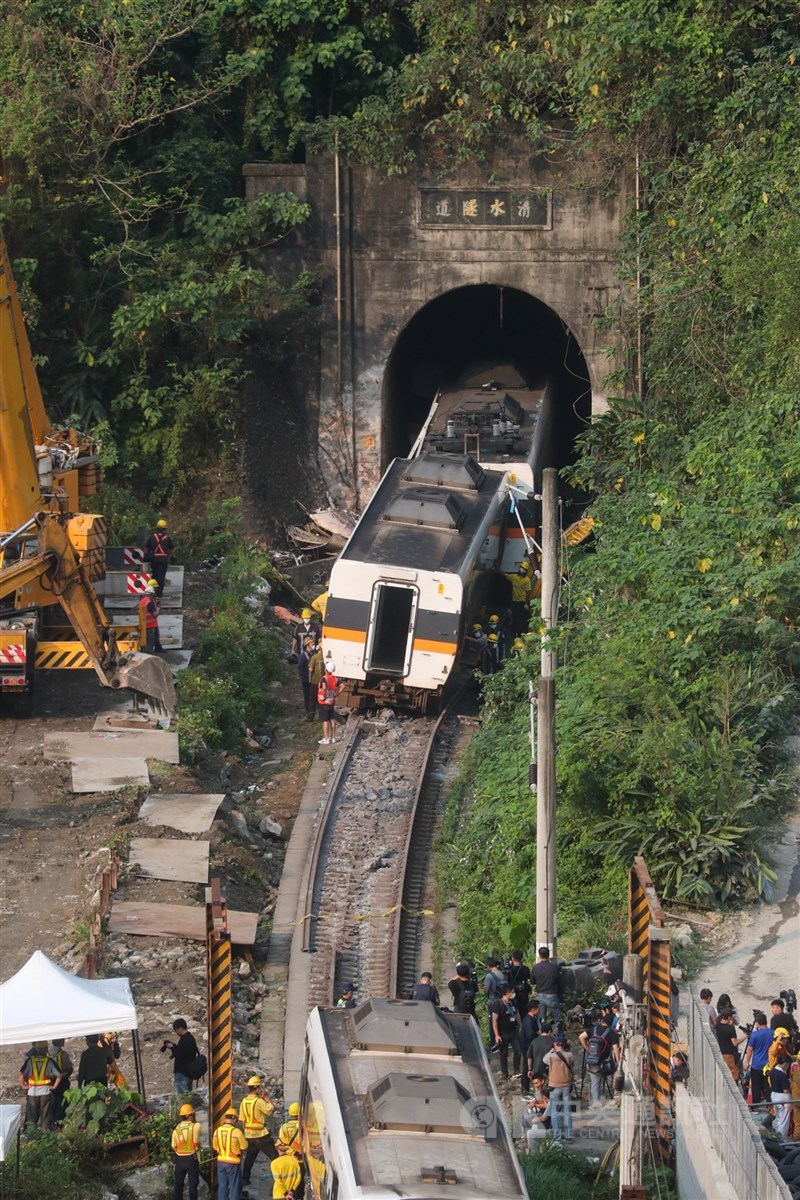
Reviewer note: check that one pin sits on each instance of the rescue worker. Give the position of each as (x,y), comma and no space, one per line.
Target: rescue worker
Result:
(65,1069)
(230,1144)
(347,999)
(517,646)
(316,669)
(253,1113)
(159,648)
(321,603)
(303,660)
(38,1077)
(307,627)
(159,550)
(491,655)
(326,698)
(185,1146)
(475,644)
(149,605)
(287,1174)
(289,1132)
(496,627)
(520,597)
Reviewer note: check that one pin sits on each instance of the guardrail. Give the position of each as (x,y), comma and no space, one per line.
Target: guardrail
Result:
(734,1135)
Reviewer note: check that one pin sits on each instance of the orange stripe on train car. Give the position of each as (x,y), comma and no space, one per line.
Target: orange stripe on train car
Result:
(344,635)
(513,531)
(435,647)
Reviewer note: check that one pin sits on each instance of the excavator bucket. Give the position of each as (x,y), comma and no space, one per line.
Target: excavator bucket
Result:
(149,676)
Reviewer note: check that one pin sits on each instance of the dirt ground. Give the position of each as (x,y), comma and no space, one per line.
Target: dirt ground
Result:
(54,845)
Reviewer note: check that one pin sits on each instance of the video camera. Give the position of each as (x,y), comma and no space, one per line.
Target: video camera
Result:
(591,1016)
(789,997)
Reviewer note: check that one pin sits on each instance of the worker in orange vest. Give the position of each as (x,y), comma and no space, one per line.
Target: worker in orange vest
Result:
(149,605)
(253,1113)
(230,1144)
(185,1145)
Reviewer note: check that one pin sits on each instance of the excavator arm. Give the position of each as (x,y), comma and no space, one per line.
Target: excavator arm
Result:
(56,566)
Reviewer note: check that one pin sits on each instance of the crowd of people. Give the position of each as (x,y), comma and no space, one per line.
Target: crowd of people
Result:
(763,1056)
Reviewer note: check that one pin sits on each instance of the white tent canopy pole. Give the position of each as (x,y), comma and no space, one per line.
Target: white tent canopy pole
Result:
(42,1001)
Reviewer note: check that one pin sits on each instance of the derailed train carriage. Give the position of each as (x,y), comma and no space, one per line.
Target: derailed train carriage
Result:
(397,1099)
(429,550)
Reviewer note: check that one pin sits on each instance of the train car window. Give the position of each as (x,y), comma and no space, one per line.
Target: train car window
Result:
(331,1190)
(393,610)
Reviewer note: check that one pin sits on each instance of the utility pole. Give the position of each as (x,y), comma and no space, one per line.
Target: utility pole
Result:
(546,711)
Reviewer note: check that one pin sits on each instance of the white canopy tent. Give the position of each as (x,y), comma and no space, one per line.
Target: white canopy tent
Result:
(10,1121)
(43,1001)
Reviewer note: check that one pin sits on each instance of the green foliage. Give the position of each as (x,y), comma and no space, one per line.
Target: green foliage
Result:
(53,1166)
(103,1113)
(555,1172)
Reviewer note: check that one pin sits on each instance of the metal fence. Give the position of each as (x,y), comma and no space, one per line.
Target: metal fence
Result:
(734,1135)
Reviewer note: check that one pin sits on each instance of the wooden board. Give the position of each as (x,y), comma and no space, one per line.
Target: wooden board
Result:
(170,858)
(186,811)
(178,920)
(104,775)
(111,744)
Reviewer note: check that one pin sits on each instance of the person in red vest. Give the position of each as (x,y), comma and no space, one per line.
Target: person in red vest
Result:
(149,604)
(326,696)
(159,550)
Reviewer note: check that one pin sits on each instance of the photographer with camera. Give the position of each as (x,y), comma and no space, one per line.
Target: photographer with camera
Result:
(505,1028)
(184,1055)
(519,976)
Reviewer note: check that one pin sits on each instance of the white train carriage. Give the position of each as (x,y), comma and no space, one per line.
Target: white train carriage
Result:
(397,1100)
(415,569)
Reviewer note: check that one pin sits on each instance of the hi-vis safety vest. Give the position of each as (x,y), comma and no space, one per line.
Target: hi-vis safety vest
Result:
(228,1150)
(184,1138)
(38,1076)
(158,548)
(254,1126)
(150,612)
(289,1133)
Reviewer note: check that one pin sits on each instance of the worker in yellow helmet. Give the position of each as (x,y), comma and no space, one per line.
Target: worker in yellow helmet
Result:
(159,551)
(230,1144)
(287,1174)
(253,1113)
(289,1132)
(306,628)
(321,603)
(185,1145)
(520,581)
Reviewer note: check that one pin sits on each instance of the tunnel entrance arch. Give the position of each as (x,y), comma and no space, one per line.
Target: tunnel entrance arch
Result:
(481,323)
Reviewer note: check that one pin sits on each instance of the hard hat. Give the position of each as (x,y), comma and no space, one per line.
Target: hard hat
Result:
(254,1081)
(162,524)
(348,987)
(152,583)
(523,566)
(294,1109)
(493,638)
(494,619)
(518,644)
(330,665)
(151,587)
(231,1112)
(476,628)
(306,614)
(780,1033)
(186,1110)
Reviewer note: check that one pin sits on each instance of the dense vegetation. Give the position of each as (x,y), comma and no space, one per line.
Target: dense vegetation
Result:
(124,129)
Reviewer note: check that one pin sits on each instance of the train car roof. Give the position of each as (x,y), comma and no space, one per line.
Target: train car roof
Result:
(417,1102)
(474,402)
(424,514)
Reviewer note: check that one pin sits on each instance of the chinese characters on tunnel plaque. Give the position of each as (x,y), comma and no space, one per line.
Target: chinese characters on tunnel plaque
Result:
(487,207)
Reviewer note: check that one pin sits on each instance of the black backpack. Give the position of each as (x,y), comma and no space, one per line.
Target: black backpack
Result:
(598,1048)
(198,1067)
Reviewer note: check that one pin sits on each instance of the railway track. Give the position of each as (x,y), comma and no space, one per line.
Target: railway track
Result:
(368,867)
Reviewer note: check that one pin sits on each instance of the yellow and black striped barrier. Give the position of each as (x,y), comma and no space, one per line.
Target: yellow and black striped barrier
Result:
(658,1037)
(644,910)
(220,1011)
(69,655)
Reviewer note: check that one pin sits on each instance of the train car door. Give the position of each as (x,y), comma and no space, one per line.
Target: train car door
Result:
(390,633)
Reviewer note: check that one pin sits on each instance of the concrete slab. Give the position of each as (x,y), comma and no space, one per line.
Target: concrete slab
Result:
(178,920)
(187,811)
(117,593)
(178,660)
(170,626)
(108,745)
(93,775)
(170,858)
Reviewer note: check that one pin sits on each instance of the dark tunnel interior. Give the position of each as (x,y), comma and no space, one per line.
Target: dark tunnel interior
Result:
(480,323)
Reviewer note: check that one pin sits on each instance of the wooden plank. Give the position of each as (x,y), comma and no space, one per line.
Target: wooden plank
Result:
(110,744)
(91,775)
(170,858)
(187,811)
(177,920)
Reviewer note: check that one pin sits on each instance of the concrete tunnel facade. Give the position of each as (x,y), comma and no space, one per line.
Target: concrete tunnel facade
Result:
(420,276)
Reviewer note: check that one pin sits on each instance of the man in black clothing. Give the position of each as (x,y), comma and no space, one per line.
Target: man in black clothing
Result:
(520,976)
(95,1061)
(602,1053)
(505,1027)
(781,1019)
(159,550)
(462,989)
(424,990)
(545,976)
(541,1045)
(725,1030)
(183,1052)
(528,1031)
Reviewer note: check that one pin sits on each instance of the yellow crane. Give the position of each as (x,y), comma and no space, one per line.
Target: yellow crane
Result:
(49,551)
